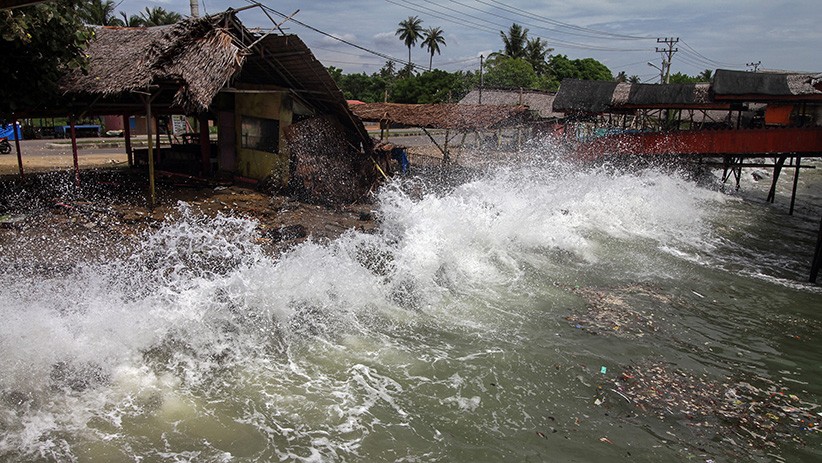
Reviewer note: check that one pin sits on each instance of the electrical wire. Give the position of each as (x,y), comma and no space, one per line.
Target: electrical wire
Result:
(326,34)
(512,9)
(464,22)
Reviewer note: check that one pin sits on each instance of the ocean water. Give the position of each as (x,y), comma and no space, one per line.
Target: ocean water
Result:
(461,330)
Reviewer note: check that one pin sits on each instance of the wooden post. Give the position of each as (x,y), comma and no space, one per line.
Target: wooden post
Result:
(159,151)
(74,151)
(205,147)
(795,181)
(17,146)
(127,136)
(817,256)
(777,169)
(152,196)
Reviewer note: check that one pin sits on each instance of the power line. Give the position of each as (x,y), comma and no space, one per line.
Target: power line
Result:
(465,22)
(560,23)
(359,47)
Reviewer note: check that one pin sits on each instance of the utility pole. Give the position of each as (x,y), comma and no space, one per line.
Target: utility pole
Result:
(755,66)
(195,8)
(668,54)
(481,82)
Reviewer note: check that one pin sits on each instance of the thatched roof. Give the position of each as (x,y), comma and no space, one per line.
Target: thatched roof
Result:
(535,100)
(194,56)
(670,95)
(584,96)
(589,96)
(764,85)
(187,64)
(464,117)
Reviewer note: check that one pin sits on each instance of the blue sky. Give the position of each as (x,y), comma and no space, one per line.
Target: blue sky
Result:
(622,34)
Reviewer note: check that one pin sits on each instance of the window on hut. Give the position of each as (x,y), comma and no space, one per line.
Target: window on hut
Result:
(260,134)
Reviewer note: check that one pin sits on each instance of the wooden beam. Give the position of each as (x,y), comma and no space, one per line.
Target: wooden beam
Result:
(817,256)
(74,151)
(17,146)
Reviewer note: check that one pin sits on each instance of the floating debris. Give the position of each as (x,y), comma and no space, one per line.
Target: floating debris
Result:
(744,414)
(610,311)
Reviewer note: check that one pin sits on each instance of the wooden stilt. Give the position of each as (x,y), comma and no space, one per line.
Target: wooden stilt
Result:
(17,147)
(127,136)
(205,147)
(152,195)
(74,151)
(777,169)
(817,256)
(795,182)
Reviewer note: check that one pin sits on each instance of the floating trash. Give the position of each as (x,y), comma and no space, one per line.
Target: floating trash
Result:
(742,413)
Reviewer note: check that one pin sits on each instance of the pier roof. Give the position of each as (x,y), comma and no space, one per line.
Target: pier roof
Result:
(764,86)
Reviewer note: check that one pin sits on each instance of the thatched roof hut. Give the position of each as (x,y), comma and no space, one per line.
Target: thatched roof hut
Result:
(186,65)
(539,101)
(585,96)
(593,97)
(127,60)
(690,96)
(754,86)
(461,117)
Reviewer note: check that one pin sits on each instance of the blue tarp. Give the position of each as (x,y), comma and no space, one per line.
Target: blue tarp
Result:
(6,131)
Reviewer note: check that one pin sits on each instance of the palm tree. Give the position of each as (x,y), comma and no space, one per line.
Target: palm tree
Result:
(132,21)
(410,31)
(99,13)
(621,77)
(158,16)
(515,41)
(433,39)
(705,76)
(536,53)
(634,79)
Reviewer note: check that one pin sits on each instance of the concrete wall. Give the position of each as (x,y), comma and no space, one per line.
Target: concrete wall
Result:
(257,164)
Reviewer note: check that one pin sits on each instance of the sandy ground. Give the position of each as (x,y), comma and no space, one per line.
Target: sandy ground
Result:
(47,221)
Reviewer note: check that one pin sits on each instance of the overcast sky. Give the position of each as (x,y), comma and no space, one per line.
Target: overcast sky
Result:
(714,34)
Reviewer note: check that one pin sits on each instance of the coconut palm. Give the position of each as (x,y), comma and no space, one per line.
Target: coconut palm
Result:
(410,31)
(132,21)
(99,13)
(433,40)
(536,53)
(158,16)
(515,41)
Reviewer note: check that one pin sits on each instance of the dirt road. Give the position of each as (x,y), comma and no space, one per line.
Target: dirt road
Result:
(48,154)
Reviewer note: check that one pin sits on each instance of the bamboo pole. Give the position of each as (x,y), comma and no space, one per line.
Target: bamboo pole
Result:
(17,146)
(74,151)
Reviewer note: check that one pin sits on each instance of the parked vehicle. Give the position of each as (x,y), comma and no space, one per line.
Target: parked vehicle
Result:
(5,146)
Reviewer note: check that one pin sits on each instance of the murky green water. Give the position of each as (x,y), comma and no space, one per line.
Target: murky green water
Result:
(463,331)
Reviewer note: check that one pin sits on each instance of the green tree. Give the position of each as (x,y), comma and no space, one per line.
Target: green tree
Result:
(705,76)
(586,69)
(506,72)
(432,41)
(132,21)
(514,41)
(634,79)
(158,16)
(536,53)
(680,78)
(410,31)
(621,77)
(435,86)
(39,44)
(99,13)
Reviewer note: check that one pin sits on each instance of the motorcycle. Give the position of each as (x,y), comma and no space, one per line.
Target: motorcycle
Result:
(5,146)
